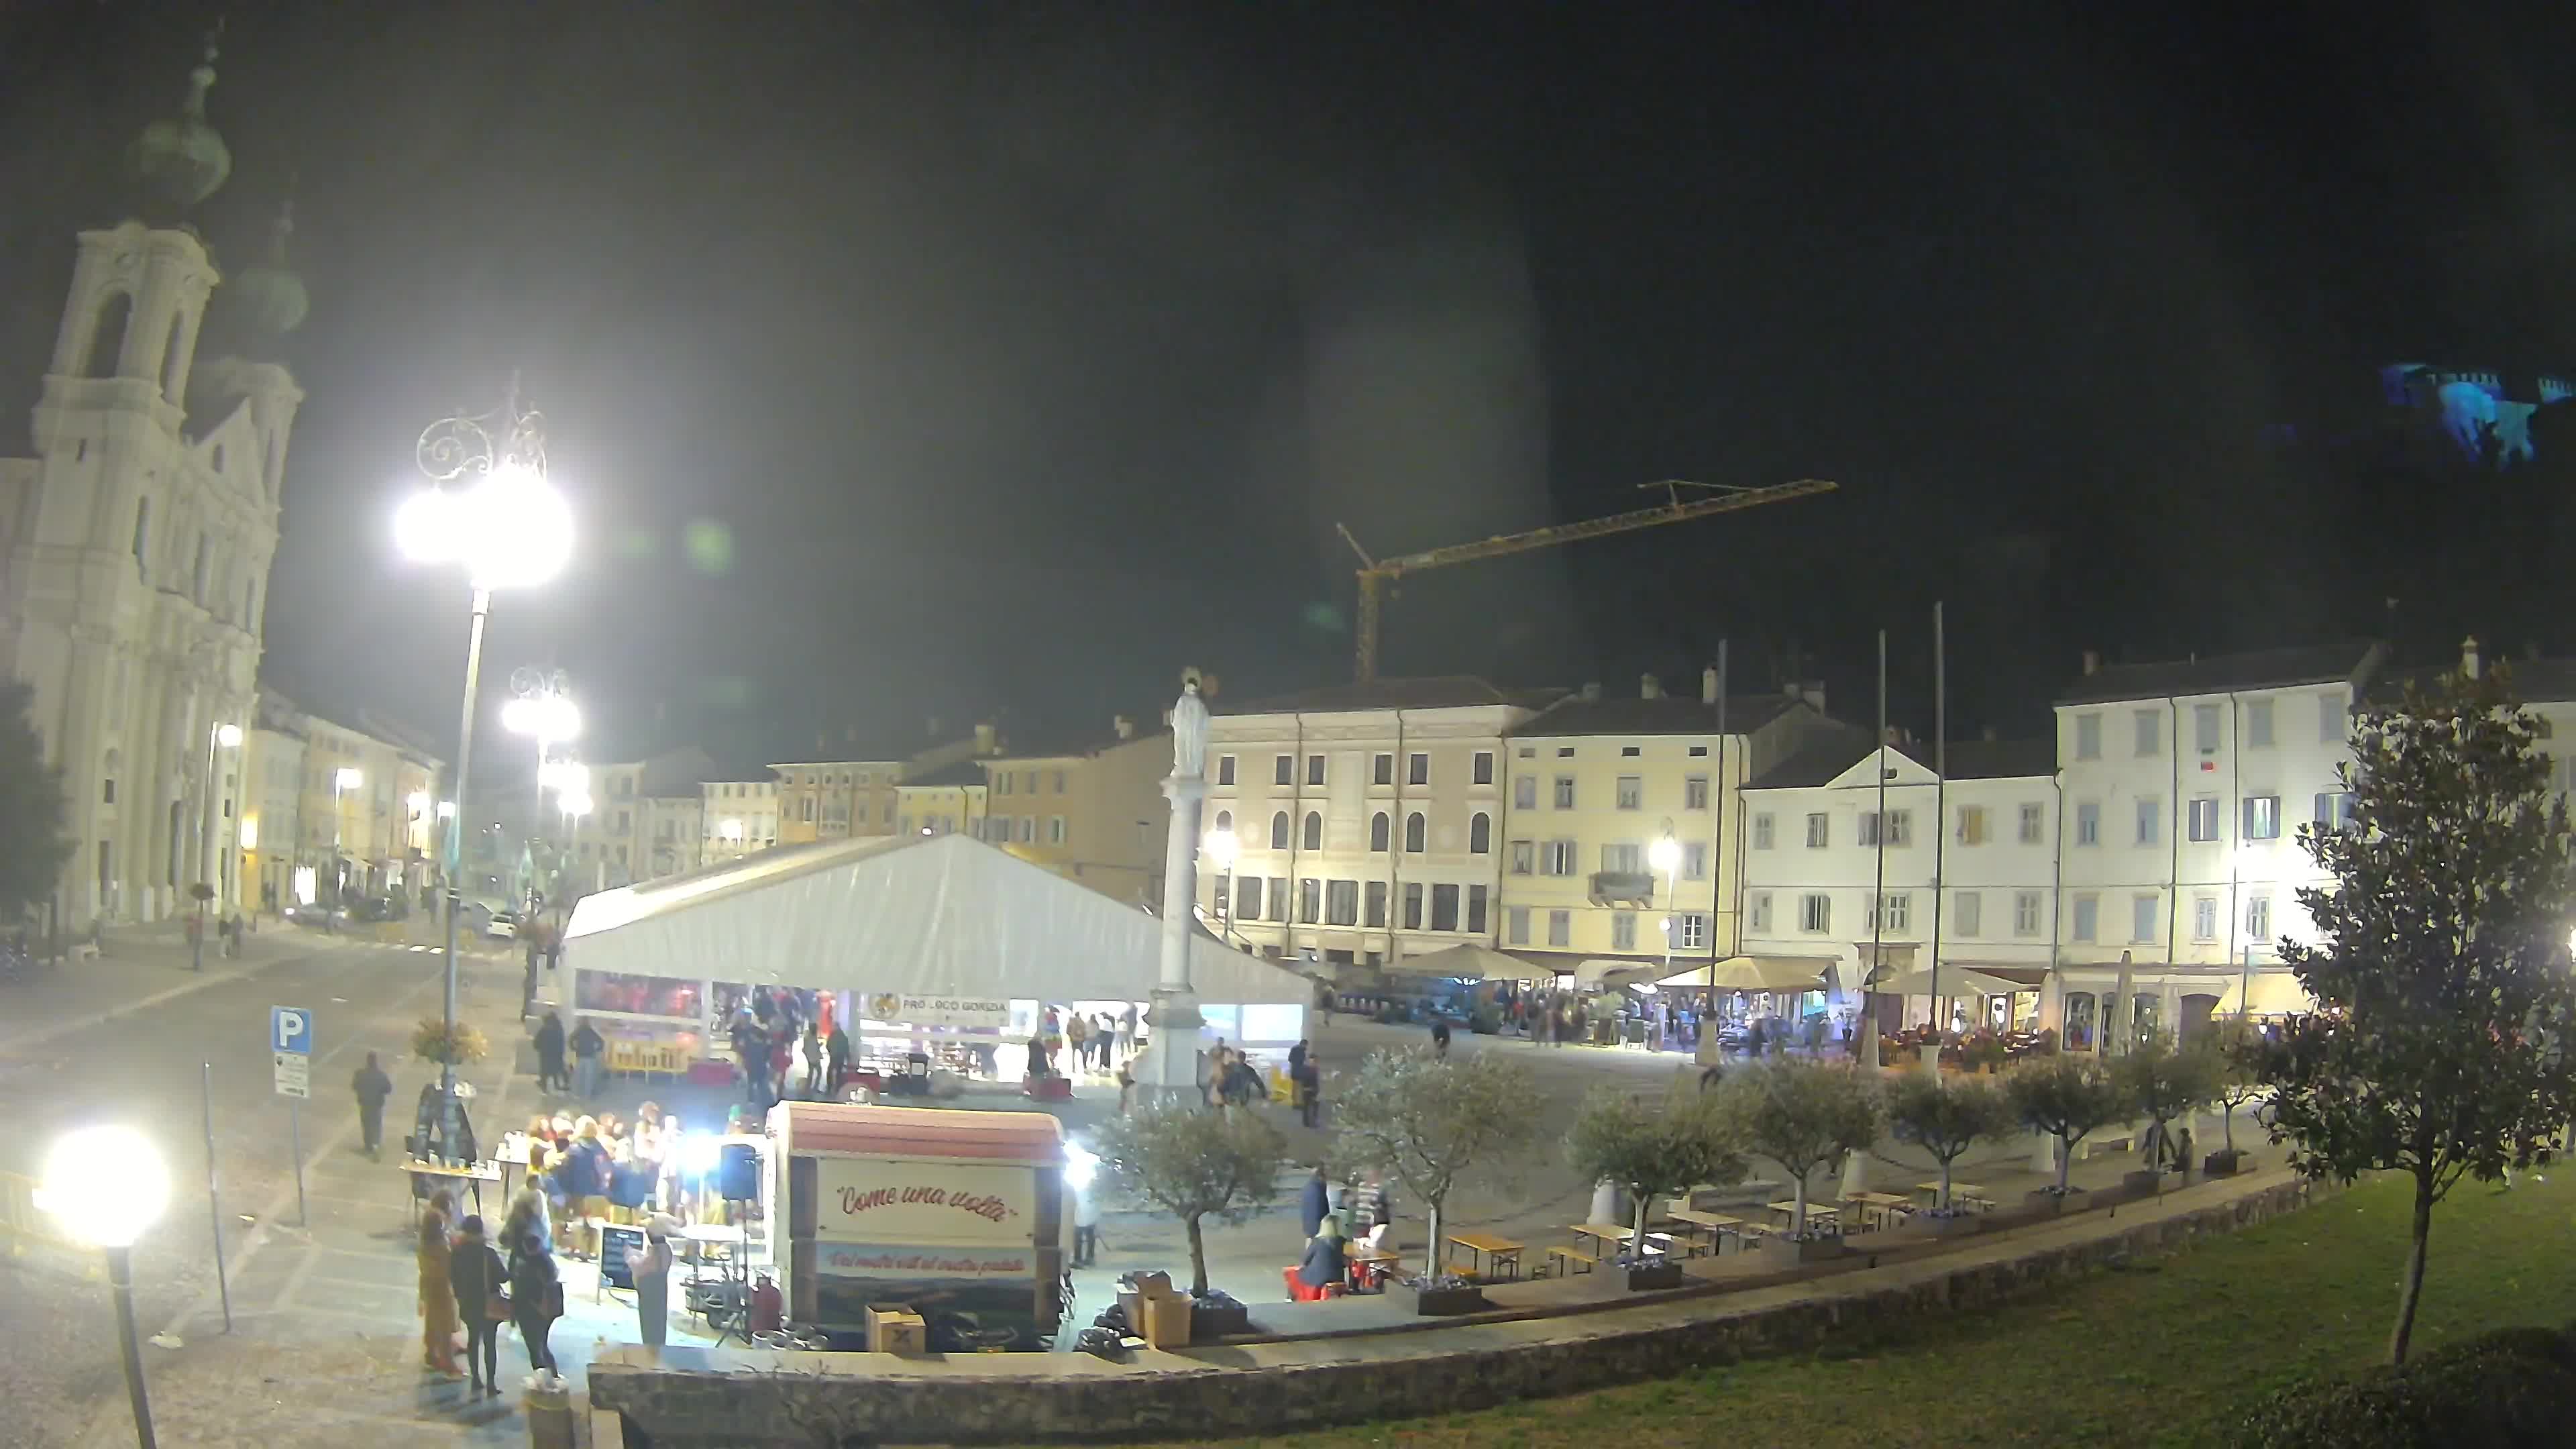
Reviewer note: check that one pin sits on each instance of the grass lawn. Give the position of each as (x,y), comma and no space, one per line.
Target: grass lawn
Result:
(2165,1352)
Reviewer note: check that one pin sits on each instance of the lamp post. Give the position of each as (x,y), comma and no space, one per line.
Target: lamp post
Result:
(1665,855)
(1221,847)
(106,1186)
(490,510)
(542,709)
(343,780)
(573,799)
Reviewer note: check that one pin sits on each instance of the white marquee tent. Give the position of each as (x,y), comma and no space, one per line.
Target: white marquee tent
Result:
(943,914)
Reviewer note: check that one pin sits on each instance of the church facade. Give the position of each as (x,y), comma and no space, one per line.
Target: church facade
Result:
(138,542)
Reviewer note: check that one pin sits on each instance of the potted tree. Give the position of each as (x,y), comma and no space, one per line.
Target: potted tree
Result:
(1197,1165)
(433,1041)
(2162,1083)
(2240,1080)
(2069,1098)
(1803,1115)
(1945,1117)
(1652,1151)
(1429,1121)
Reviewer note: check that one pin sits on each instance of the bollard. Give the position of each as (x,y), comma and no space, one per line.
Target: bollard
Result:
(548,1403)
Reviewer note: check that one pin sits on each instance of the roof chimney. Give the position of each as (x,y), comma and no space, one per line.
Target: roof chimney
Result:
(2469,663)
(1649,687)
(1708,685)
(1125,725)
(2092,661)
(1592,693)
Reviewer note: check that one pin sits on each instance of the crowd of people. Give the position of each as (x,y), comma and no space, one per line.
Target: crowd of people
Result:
(468,1288)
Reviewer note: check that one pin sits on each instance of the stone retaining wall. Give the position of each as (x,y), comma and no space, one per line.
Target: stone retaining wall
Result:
(1253,1389)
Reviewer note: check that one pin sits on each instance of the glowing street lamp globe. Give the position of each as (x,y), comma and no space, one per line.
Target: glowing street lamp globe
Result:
(509,528)
(229,736)
(574,802)
(1664,854)
(348,778)
(548,717)
(1222,847)
(105,1185)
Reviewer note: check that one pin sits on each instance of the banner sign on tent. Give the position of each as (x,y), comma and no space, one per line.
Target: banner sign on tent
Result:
(935,1010)
(875,1260)
(871,1200)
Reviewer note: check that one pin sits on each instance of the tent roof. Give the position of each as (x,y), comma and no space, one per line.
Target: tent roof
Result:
(903,913)
(1756,973)
(1466,959)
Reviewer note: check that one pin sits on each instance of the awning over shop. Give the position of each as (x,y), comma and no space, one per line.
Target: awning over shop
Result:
(2265,993)
(1758,973)
(937,914)
(1956,980)
(1609,973)
(1469,961)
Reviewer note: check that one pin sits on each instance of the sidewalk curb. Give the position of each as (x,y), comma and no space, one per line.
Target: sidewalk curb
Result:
(195,982)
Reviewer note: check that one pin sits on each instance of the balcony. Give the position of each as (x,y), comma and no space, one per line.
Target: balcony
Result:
(1634,887)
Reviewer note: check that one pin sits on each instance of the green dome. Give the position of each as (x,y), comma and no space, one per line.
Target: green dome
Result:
(267,295)
(181,160)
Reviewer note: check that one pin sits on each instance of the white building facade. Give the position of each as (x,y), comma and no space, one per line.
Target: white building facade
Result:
(2185,785)
(138,540)
(1369,818)
(1845,875)
(1597,784)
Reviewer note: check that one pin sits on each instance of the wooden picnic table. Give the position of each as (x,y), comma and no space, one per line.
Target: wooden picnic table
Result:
(1485,1249)
(1613,1237)
(1716,1225)
(1370,1267)
(1973,1194)
(1788,1208)
(423,1177)
(1887,1205)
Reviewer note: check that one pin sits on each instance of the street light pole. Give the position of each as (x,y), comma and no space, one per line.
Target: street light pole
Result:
(120,1279)
(510,529)
(106,1186)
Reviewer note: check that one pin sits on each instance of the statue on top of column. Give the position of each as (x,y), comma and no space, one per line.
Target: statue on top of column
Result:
(1189,730)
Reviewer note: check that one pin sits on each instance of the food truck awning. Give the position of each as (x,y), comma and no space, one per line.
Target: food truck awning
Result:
(1469,961)
(1035,1138)
(939,914)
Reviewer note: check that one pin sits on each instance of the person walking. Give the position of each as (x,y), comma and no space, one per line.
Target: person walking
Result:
(1077,1037)
(438,1322)
(811,1048)
(1440,1036)
(474,1271)
(836,1054)
(371,1087)
(1314,1201)
(1307,1083)
(536,1298)
(550,1054)
(1127,1032)
(651,1266)
(585,1180)
(588,1047)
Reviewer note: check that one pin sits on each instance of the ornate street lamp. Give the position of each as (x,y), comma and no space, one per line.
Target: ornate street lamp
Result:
(541,708)
(106,1187)
(490,510)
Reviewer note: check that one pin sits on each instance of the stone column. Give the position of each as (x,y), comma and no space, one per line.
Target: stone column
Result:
(1171,1064)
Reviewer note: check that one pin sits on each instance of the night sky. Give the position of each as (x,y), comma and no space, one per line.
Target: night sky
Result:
(944,359)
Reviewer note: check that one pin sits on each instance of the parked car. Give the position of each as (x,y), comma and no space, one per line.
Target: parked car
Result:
(503,926)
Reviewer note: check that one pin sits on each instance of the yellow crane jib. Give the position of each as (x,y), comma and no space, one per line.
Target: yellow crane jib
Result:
(1375,573)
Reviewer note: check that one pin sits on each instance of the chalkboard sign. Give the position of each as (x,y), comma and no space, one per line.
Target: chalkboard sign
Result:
(613,1267)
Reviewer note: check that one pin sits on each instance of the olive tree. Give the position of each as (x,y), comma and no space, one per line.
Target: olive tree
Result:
(1195,1165)
(2240,1074)
(2068,1098)
(2439,961)
(1946,1116)
(1430,1120)
(2162,1082)
(1803,1115)
(1653,1150)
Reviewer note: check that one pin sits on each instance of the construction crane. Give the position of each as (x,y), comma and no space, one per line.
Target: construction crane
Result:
(1375,573)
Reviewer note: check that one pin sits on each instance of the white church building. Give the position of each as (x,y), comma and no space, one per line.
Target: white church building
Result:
(138,539)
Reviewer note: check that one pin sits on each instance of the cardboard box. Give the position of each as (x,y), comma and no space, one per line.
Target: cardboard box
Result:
(894,1328)
(1167,1323)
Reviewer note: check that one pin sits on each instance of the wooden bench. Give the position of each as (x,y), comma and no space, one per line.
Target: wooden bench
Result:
(1570,1257)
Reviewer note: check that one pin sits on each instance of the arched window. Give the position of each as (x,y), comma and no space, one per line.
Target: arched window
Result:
(1378,830)
(1314,830)
(1480,834)
(1279,831)
(107,339)
(1225,820)
(1413,832)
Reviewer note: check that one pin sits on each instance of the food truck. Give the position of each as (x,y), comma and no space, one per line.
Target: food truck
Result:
(961,1217)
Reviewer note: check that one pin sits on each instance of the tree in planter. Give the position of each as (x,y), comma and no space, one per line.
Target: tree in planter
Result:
(2440,966)
(1802,1115)
(1194,1165)
(2240,1077)
(34,847)
(2068,1098)
(1945,1117)
(1653,1151)
(2163,1082)
(1430,1120)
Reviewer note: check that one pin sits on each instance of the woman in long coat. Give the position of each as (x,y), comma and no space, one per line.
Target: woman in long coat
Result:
(438,1321)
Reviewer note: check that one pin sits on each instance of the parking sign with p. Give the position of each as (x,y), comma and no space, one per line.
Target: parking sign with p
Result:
(290,1029)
